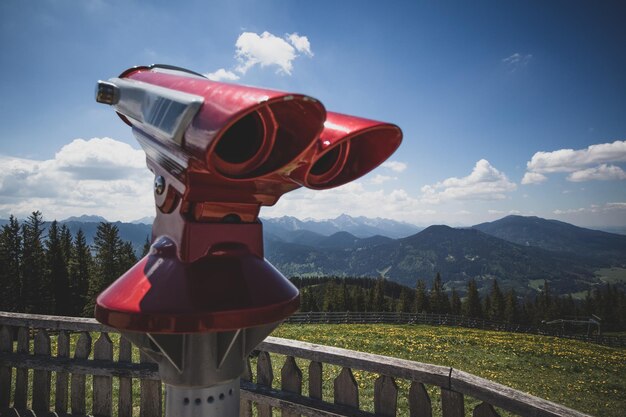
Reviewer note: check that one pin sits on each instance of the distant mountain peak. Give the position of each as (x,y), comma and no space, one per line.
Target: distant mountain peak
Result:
(85,218)
(144,220)
(361,227)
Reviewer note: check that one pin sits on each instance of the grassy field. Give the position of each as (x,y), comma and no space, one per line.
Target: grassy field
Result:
(583,376)
(613,275)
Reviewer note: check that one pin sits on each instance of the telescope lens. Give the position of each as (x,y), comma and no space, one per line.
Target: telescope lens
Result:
(241,141)
(326,162)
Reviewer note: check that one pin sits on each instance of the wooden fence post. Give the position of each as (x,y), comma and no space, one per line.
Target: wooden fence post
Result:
(21,374)
(61,386)
(484,410)
(150,403)
(245,407)
(103,385)
(452,403)
(291,381)
(82,351)
(6,372)
(419,401)
(41,379)
(264,376)
(385,396)
(346,389)
(315,380)
(125,395)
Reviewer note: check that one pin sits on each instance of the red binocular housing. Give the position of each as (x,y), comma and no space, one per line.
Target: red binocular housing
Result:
(205,296)
(219,152)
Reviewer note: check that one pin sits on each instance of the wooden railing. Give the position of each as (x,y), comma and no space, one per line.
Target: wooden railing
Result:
(393,317)
(109,378)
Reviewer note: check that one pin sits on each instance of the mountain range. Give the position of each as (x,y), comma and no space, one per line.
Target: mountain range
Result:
(521,252)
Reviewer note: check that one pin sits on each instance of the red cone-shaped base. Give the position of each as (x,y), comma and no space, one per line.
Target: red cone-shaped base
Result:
(226,290)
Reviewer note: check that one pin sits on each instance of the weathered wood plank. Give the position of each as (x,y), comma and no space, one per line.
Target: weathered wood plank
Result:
(125,394)
(291,381)
(40,321)
(245,406)
(150,402)
(419,401)
(6,372)
(264,377)
(41,379)
(507,398)
(397,368)
(61,386)
(77,392)
(315,380)
(82,366)
(103,385)
(21,374)
(484,410)
(385,396)
(346,389)
(452,404)
(297,404)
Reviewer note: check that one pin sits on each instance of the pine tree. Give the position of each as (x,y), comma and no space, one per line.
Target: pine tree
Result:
(486,306)
(455,305)
(146,247)
(66,243)
(496,310)
(379,295)
(405,303)
(330,297)
(511,309)
(127,257)
(471,304)
(10,266)
(358,295)
(37,291)
(344,297)
(107,263)
(57,271)
(81,265)
(421,298)
(439,302)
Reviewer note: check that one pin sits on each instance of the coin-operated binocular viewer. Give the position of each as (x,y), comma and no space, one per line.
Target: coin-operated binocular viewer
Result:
(205,296)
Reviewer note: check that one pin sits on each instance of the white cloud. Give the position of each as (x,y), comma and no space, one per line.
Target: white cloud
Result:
(264,50)
(268,50)
(594,208)
(570,160)
(592,163)
(603,172)
(301,43)
(395,166)
(484,183)
(222,75)
(380,179)
(533,178)
(517,60)
(98,176)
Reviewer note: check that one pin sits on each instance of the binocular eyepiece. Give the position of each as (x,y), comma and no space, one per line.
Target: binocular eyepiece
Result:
(226,143)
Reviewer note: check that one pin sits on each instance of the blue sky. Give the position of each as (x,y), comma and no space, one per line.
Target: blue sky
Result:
(489,95)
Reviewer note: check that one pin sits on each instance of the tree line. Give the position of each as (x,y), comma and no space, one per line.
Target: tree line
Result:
(47,270)
(365,294)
